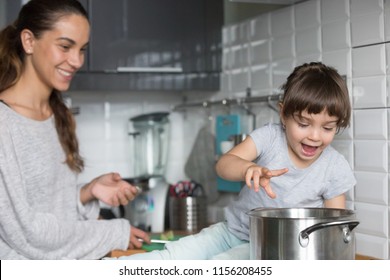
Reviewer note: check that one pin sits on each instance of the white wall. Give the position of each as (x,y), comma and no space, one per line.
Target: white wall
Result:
(350,35)
(103,126)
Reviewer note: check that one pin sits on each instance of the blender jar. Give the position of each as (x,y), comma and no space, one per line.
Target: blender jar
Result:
(151,132)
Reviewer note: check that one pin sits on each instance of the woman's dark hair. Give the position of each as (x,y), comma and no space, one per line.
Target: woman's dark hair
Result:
(40,16)
(314,87)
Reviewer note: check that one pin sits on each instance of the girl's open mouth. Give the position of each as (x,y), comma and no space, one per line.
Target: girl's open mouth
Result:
(309,150)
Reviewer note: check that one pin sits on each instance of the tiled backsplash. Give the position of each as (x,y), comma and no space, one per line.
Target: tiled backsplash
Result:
(103,126)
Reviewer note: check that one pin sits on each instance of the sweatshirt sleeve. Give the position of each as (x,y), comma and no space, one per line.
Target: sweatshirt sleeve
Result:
(341,177)
(26,233)
(89,210)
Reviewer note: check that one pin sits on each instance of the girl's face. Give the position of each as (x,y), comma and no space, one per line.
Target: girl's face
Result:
(308,135)
(59,53)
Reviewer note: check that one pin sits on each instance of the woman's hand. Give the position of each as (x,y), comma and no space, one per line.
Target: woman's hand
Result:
(135,236)
(110,189)
(261,177)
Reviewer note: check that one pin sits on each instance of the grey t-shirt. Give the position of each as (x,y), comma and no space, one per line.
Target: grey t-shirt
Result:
(329,176)
(41,216)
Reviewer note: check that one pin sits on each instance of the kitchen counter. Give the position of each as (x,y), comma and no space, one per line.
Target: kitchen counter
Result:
(119,253)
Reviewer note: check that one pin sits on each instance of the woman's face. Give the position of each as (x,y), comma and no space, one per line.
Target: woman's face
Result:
(308,135)
(59,53)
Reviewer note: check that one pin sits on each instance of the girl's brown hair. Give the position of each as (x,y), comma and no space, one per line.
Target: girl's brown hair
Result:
(314,87)
(39,16)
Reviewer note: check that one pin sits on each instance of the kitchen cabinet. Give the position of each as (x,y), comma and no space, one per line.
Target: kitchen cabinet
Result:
(134,34)
(153,45)
(12,8)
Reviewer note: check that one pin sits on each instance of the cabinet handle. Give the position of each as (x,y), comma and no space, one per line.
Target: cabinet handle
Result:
(150,69)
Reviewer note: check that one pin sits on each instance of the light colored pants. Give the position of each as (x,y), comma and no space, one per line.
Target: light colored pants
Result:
(214,242)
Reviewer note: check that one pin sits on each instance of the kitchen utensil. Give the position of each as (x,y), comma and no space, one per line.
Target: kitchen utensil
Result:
(188,213)
(186,188)
(155,241)
(302,233)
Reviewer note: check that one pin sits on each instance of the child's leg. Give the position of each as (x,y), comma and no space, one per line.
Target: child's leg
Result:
(209,242)
(240,252)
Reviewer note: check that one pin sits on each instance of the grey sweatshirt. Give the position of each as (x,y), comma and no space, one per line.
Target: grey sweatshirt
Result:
(41,216)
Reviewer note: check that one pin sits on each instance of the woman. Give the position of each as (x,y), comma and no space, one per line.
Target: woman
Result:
(44,213)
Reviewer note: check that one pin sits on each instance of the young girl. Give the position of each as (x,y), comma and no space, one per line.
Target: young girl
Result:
(284,165)
(44,214)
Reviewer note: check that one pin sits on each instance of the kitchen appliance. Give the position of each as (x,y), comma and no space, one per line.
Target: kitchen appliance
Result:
(302,234)
(150,135)
(226,127)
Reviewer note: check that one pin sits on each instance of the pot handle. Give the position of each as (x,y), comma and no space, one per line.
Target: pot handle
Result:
(349,226)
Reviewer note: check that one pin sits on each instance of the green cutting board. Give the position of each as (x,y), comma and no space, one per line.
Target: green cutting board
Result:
(158,246)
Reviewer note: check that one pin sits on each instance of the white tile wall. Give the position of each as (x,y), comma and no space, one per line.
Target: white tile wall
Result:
(307,15)
(282,22)
(371,155)
(372,187)
(367,22)
(367,29)
(361,7)
(334,10)
(365,128)
(308,41)
(260,28)
(369,92)
(339,59)
(103,126)
(387,19)
(280,71)
(260,52)
(261,78)
(336,35)
(348,35)
(283,47)
(369,61)
(370,245)
(368,225)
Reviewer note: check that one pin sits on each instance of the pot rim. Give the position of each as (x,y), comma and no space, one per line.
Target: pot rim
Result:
(299,211)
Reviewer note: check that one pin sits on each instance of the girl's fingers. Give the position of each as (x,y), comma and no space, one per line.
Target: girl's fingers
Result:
(279,172)
(269,191)
(256,181)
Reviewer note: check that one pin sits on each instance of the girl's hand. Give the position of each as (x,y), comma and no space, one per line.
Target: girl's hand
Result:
(112,190)
(261,177)
(137,237)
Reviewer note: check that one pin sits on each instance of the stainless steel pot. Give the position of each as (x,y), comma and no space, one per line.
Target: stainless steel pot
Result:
(302,233)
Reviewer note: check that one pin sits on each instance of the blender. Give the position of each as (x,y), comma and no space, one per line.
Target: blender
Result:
(150,137)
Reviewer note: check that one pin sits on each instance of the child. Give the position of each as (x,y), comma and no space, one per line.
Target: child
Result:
(292,162)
